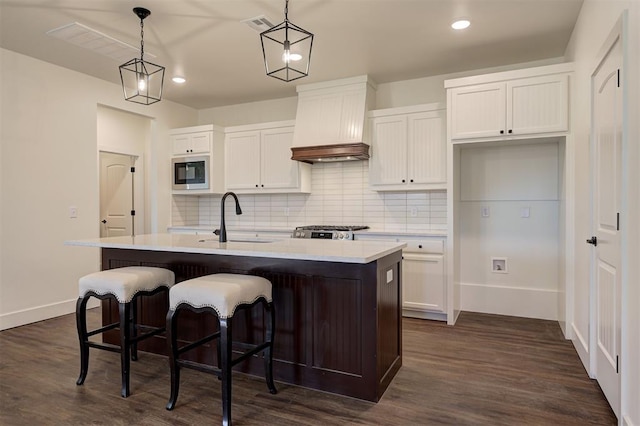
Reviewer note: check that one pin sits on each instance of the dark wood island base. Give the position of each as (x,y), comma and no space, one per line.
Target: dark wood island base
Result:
(338,325)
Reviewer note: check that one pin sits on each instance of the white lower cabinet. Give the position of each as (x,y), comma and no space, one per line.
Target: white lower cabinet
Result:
(424,280)
(423,283)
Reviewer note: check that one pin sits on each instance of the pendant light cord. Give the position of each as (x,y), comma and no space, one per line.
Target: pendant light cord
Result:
(286,11)
(142,39)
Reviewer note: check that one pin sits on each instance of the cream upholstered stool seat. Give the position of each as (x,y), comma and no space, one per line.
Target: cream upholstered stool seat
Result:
(222,294)
(125,285)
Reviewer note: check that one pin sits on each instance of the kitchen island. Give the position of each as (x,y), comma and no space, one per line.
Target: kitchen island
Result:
(338,304)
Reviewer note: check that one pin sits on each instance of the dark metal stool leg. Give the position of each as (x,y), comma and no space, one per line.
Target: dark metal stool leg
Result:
(268,352)
(125,346)
(172,342)
(81,324)
(225,366)
(134,328)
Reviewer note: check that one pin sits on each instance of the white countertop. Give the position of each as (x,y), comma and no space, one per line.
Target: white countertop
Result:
(290,248)
(364,232)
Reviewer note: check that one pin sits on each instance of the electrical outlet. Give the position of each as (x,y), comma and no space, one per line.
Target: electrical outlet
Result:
(414,211)
(73,212)
(525,212)
(486,212)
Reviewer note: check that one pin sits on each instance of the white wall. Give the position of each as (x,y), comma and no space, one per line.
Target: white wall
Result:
(596,20)
(388,95)
(249,113)
(127,133)
(49,162)
(506,181)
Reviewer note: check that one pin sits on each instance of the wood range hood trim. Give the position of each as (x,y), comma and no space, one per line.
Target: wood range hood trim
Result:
(331,153)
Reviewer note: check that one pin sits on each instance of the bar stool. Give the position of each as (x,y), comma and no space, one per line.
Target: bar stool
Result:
(125,285)
(221,294)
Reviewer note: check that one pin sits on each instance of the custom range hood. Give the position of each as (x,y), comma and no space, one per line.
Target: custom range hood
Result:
(331,120)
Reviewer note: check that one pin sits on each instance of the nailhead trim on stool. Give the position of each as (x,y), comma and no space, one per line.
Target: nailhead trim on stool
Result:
(222,294)
(125,285)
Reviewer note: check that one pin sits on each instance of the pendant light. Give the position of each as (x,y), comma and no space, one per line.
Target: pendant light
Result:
(141,80)
(286,49)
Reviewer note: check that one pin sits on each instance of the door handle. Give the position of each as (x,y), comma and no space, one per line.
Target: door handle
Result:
(593,240)
(104,220)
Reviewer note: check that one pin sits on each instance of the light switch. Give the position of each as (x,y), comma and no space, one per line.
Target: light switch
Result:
(525,212)
(73,212)
(485,211)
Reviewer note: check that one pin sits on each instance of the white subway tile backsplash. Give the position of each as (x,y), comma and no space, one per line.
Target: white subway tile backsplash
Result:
(340,196)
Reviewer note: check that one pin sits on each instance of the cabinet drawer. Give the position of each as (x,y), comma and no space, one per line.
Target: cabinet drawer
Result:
(427,246)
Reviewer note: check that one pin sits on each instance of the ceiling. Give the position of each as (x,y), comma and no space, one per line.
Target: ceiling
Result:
(221,57)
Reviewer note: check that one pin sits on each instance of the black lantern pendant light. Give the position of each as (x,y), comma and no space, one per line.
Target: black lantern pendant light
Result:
(141,80)
(287,50)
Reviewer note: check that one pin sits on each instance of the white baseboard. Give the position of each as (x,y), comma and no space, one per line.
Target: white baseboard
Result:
(424,315)
(514,301)
(40,313)
(582,348)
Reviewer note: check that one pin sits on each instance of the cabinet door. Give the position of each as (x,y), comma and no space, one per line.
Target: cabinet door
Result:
(278,169)
(388,162)
(242,164)
(427,147)
(200,142)
(478,111)
(538,105)
(423,283)
(180,144)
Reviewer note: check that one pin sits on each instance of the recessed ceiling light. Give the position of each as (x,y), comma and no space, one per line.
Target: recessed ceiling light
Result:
(178,80)
(460,24)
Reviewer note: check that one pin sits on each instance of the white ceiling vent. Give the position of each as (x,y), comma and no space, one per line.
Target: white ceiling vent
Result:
(259,23)
(83,36)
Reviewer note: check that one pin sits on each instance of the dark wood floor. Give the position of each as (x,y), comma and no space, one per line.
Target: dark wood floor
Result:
(486,370)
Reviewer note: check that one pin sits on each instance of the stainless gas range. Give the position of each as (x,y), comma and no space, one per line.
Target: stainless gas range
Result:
(327,232)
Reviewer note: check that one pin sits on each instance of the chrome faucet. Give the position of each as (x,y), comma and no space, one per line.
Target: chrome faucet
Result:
(223,227)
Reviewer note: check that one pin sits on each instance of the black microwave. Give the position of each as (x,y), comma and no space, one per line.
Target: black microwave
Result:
(190,172)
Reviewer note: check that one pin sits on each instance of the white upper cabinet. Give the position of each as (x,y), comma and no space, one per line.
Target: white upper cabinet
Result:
(242,151)
(333,112)
(508,107)
(478,111)
(258,160)
(201,141)
(408,148)
(191,140)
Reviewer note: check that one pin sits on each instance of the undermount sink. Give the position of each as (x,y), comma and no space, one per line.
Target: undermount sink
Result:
(239,240)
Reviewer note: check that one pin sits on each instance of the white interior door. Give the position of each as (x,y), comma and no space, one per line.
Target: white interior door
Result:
(607,168)
(116,194)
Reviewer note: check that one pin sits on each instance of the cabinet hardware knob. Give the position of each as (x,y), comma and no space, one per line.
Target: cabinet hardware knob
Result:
(262,186)
(411,180)
(403,181)
(510,131)
(502,132)
(420,246)
(256,185)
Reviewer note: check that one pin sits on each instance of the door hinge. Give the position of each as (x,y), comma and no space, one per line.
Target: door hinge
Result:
(617,221)
(133,212)
(133,169)
(617,364)
(618,77)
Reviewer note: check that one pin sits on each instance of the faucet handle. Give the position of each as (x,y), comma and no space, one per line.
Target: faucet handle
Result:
(217,232)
